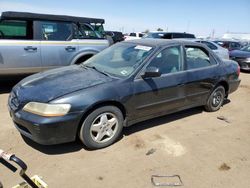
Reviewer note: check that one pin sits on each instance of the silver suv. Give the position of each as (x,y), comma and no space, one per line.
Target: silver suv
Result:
(32,43)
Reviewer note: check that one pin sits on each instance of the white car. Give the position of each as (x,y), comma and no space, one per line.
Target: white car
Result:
(220,51)
(133,36)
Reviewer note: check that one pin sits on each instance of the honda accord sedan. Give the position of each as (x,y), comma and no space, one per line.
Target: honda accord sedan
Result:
(126,83)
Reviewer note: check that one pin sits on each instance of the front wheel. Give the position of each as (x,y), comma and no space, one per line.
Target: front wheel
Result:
(102,127)
(216,99)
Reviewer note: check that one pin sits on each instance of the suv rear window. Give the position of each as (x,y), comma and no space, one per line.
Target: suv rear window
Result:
(14,29)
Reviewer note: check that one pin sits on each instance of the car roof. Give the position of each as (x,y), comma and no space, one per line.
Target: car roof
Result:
(162,42)
(8,15)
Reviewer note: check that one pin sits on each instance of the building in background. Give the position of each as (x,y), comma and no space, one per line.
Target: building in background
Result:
(237,36)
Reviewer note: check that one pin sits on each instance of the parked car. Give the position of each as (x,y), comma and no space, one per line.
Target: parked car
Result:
(242,56)
(169,35)
(31,43)
(129,82)
(116,36)
(228,44)
(132,36)
(220,51)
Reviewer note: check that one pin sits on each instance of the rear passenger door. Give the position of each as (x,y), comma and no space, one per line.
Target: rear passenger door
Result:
(19,53)
(201,74)
(58,46)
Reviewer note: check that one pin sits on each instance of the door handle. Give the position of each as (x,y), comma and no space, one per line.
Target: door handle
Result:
(70,48)
(30,48)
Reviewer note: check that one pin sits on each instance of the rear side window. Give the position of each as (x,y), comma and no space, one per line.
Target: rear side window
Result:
(56,31)
(197,57)
(178,35)
(235,45)
(210,45)
(132,34)
(15,29)
(140,35)
(189,36)
(167,36)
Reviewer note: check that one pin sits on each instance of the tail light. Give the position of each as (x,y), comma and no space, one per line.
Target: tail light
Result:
(238,71)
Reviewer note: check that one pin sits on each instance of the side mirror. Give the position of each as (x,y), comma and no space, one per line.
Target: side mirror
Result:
(151,72)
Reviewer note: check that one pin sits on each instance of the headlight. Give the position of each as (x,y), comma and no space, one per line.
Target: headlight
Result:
(248,60)
(48,110)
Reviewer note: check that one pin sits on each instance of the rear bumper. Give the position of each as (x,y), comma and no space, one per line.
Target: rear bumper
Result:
(233,85)
(44,130)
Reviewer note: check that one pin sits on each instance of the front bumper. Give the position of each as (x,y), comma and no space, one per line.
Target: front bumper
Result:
(47,130)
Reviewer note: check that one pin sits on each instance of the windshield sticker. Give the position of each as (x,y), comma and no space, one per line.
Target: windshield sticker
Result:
(145,48)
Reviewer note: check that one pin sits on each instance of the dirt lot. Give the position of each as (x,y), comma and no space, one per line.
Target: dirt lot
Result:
(204,150)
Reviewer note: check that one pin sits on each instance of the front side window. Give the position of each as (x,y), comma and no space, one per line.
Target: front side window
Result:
(120,60)
(86,32)
(15,29)
(168,60)
(197,57)
(56,31)
(99,29)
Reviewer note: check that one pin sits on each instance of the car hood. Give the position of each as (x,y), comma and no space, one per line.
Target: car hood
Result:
(49,85)
(239,53)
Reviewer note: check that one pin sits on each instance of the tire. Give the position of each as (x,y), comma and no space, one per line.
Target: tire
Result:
(102,127)
(216,99)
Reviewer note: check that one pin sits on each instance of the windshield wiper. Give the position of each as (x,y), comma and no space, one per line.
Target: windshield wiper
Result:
(102,72)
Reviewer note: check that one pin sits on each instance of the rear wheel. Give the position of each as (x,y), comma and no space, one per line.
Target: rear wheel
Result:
(102,127)
(216,99)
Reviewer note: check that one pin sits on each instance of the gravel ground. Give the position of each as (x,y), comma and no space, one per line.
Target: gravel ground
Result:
(205,149)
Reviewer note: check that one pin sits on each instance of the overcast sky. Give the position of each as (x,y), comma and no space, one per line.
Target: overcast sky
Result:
(200,17)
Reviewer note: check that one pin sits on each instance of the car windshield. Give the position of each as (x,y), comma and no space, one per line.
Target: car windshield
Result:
(246,48)
(119,60)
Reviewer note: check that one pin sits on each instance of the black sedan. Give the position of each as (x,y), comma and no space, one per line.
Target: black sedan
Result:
(242,56)
(127,83)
